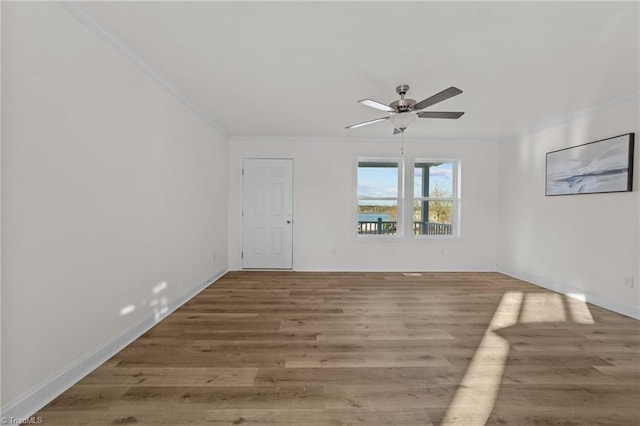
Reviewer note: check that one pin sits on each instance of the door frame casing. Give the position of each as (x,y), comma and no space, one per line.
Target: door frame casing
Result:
(293,209)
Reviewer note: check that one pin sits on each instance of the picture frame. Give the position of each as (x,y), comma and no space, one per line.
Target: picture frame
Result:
(602,166)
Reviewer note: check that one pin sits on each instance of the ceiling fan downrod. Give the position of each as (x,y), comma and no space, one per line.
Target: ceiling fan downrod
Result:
(402,104)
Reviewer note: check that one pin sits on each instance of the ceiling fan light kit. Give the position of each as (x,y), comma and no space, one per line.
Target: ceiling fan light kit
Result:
(403,112)
(402,120)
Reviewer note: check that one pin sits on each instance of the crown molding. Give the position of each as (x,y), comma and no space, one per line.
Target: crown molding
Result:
(573,116)
(136,59)
(346,139)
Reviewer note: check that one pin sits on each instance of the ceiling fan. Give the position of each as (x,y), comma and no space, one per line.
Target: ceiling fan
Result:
(403,112)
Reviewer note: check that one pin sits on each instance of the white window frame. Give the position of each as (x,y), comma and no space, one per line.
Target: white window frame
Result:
(399,199)
(455,198)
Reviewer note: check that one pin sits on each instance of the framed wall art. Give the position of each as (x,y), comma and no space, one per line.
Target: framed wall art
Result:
(595,167)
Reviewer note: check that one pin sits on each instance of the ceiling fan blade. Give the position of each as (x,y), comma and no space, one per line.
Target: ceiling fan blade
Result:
(438,97)
(396,131)
(366,123)
(377,105)
(439,114)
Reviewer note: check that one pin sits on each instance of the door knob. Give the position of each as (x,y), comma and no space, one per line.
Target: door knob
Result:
(288,221)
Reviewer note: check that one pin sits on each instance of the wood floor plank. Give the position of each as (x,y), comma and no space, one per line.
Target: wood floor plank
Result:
(171,376)
(287,348)
(351,416)
(363,359)
(371,376)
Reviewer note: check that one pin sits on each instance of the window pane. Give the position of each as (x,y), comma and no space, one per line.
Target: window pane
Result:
(377,179)
(432,217)
(437,177)
(378,217)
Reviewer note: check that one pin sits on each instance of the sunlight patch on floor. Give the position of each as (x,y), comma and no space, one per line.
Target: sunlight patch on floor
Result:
(476,396)
(578,309)
(542,307)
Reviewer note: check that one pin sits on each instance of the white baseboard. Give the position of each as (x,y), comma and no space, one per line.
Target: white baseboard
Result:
(39,396)
(568,290)
(464,268)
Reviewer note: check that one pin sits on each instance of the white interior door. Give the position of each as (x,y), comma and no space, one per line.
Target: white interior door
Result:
(267,209)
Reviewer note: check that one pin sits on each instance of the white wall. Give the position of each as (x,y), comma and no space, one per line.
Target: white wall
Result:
(585,244)
(110,187)
(0,209)
(324,218)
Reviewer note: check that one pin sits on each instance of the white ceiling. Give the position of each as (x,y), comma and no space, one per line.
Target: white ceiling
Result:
(296,69)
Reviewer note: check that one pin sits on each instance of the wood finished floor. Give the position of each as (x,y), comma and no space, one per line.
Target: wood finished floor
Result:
(369,349)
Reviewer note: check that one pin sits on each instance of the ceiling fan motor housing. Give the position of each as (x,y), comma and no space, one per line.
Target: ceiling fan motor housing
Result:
(403,105)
